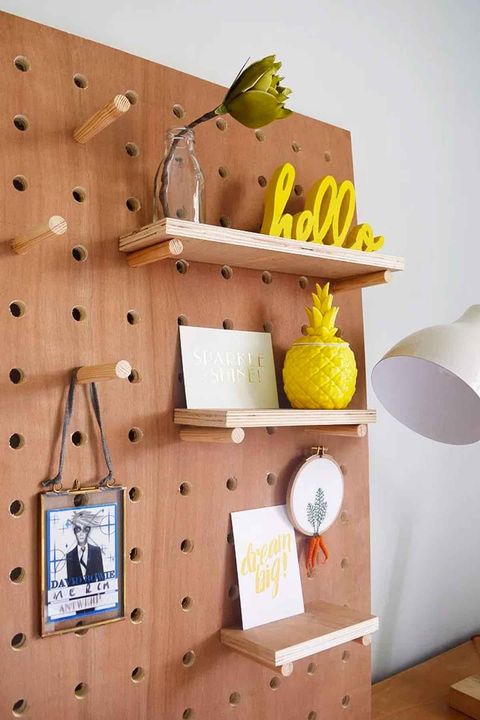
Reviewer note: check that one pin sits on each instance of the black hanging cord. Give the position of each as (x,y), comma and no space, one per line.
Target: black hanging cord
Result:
(66,422)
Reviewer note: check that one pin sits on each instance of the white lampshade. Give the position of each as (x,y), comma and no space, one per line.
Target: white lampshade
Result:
(430,381)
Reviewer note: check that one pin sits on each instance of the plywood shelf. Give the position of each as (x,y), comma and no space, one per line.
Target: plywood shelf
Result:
(322,626)
(272,418)
(191,241)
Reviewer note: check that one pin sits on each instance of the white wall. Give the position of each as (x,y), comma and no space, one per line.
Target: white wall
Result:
(404,77)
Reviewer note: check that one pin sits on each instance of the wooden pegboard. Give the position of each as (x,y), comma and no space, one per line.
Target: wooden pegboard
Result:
(178,490)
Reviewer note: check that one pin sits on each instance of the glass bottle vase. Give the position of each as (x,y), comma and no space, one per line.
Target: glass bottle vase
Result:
(179,181)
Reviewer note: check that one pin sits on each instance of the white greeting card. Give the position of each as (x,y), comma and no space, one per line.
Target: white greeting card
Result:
(267,566)
(228,368)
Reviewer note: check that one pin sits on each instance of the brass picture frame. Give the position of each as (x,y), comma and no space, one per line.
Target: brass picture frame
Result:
(82,558)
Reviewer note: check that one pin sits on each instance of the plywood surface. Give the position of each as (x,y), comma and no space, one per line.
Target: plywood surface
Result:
(181,487)
(421,693)
(272,418)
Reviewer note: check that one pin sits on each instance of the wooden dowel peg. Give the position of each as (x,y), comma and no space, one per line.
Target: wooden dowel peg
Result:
(212,435)
(102,119)
(361,281)
(108,371)
(356,431)
(365,640)
(162,251)
(55,225)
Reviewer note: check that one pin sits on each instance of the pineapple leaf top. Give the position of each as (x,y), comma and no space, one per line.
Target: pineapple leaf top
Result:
(322,315)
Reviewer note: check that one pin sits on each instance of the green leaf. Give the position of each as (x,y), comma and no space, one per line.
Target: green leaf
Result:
(249,77)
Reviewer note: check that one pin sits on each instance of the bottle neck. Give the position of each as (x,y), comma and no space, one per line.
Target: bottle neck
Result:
(181,137)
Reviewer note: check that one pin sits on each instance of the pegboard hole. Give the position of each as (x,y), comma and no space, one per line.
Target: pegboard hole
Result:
(80,500)
(271,430)
(296,147)
(232,483)
(17,308)
(344,518)
(136,555)
(20,183)
(22,63)
(79,253)
(21,122)
(187,603)
(275,683)
(267,326)
(298,190)
(17,376)
(79,194)
(80,81)
(312,668)
(312,715)
(186,546)
(227,324)
(260,135)
(233,592)
(134,494)
(19,708)
(81,691)
(16,441)
(230,538)
(234,699)
(132,97)
(17,508)
(226,272)
(180,378)
(225,221)
(79,313)
(345,656)
(189,659)
(327,155)
(133,317)
(134,377)
(344,563)
(223,171)
(178,110)
(345,701)
(181,213)
(304,330)
(271,478)
(181,266)
(262,181)
(187,714)
(17,575)
(132,149)
(81,630)
(185,488)
(267,277)
(344,470)
(303,282)
(18,641)
(135,435)
(138,674)
(133,204)
(182,320)
(79,438)
(221,124)
(136,616)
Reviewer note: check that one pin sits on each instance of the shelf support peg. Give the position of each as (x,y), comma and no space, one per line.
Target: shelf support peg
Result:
(54,226)
(108,371)
(102,119)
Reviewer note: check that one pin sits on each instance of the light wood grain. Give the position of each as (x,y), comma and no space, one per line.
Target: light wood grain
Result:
(354,431)
(104,117)
(272,418)
(421,692)
(212,435)
(219,245)
(54,226)
(361,281)
(168,249)
(108,371)
(321,627)
(464,696)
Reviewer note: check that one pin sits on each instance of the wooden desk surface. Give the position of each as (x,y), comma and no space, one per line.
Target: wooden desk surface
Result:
(420,693)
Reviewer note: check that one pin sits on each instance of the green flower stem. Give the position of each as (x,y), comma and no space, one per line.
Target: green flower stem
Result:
(163,188)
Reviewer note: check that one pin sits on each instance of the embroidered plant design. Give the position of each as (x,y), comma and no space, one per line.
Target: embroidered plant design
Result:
(317,512)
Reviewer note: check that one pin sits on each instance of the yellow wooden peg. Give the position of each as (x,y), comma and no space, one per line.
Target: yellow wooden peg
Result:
(276,198)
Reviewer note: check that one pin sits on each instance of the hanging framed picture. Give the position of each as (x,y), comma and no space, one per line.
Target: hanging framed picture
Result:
(82,559)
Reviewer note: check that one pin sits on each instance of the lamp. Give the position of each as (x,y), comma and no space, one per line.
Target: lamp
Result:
(430,381)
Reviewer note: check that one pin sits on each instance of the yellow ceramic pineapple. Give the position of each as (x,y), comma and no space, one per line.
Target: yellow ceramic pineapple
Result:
(320,369)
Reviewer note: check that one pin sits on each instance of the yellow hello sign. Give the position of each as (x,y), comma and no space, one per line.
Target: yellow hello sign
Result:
(326,217)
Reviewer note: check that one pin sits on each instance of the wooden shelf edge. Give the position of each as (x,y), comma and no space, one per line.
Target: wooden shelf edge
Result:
(213,244)
(268,644)
(271,418)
